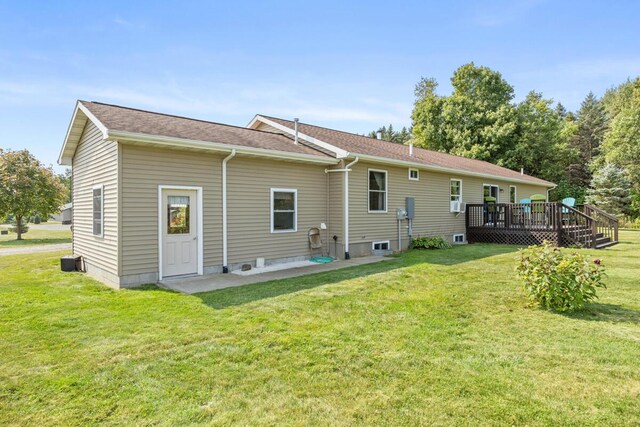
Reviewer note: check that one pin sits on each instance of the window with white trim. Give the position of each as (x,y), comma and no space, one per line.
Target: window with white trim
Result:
(98,210)
(513,194)
(455,191)
(414,174)
(284,210)
(380,246)
(377,190)
(458,238)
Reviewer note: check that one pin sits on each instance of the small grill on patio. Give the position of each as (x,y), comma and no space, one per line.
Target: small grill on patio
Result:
(531,223)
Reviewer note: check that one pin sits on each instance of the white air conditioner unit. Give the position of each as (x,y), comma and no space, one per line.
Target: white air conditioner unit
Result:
(458,207)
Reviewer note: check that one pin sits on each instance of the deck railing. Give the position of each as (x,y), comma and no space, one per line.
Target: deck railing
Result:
(530,223)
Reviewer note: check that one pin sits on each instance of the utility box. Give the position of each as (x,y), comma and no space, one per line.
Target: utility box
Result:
(401,214)
(410,203)
(69,263)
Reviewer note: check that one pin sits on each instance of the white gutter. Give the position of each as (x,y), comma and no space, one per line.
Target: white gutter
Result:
(388,161)
(169,141)
(225,266)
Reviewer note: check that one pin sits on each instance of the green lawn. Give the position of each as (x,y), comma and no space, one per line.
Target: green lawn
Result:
(35,237)
(443,337)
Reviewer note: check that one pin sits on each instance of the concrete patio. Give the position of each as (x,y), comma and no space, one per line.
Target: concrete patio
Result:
(212,282)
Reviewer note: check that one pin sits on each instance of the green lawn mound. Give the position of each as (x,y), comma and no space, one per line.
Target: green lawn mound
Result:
(430,337)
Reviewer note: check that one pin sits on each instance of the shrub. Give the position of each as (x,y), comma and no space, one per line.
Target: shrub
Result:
(436,242)
(36,219)
(559,281)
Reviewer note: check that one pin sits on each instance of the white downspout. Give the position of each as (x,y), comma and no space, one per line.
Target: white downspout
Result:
(346,171)
(346,208)
(225,266)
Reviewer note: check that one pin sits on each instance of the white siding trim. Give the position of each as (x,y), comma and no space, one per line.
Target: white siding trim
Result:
(200,228)
(386,191)
(339,152)
(295,209)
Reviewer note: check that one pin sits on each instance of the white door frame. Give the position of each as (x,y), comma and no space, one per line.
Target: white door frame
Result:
(199,228)
(497,192)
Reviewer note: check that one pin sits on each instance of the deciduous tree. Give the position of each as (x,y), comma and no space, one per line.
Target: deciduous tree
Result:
(27,186)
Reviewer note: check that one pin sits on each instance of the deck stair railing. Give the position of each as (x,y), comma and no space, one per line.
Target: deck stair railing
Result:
(531,223)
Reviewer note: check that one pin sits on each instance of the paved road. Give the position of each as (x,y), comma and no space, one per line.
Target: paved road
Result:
(44,226)
(17,250)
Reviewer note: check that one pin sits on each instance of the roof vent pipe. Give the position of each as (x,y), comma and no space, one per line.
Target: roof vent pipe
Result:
(521,171)
(379,135)
(295,128)
(411,149)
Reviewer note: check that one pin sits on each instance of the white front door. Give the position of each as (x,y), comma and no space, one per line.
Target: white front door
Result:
(179,213)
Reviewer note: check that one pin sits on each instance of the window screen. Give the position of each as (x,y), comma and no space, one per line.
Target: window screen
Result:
(97,211)
(284,210)
(377,191)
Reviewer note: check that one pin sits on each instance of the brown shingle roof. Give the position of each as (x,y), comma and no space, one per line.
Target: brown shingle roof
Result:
(358,144)
(125,119)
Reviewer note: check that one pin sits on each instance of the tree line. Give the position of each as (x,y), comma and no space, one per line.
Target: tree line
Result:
(592,154)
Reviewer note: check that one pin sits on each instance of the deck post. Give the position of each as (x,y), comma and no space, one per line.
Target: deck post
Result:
(558,221)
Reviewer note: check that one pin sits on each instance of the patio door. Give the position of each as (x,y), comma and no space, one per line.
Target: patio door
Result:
(491,190)
(179,234)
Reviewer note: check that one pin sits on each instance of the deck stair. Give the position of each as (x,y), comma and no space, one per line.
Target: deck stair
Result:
(531,223)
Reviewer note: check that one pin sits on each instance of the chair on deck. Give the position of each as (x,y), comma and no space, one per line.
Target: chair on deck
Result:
(568,201)
(315,241)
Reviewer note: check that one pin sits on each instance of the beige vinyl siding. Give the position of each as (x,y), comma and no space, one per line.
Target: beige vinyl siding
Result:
(96,163)
(249,207)
(143,169)
(432,197)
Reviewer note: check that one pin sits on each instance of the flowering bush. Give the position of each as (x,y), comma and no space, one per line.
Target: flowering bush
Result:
(559,281)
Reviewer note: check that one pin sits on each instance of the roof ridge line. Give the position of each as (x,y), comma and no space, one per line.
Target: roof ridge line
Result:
(181,117)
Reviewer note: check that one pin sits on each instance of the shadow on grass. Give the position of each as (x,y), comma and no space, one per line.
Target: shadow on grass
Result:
(229,297)
(33,242)
(613,313)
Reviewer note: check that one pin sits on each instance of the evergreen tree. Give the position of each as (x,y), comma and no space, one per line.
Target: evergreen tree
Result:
(592,126)
(610,190)
(391,135)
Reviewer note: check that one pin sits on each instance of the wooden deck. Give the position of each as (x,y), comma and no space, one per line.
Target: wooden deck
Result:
(532,223)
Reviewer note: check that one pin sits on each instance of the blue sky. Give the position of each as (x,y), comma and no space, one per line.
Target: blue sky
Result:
(348,65)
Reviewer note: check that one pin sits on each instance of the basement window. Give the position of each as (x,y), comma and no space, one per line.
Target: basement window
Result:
(380,246)
(284,210)
(458,238)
